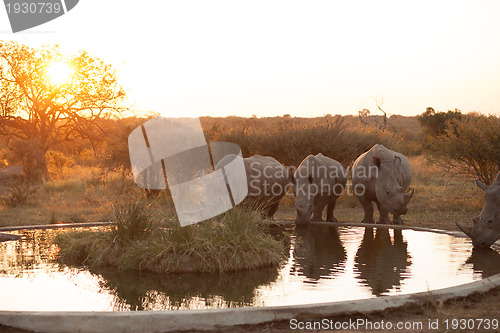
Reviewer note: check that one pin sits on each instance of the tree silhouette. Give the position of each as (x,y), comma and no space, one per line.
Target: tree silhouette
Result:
(37,113)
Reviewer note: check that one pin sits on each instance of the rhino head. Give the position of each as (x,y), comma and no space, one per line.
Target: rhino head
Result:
(305,188)
(486,227)
(390,194)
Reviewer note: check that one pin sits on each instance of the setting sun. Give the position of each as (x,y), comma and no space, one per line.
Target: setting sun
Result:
(59,73)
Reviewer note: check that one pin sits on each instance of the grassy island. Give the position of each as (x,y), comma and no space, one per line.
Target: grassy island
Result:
(236,240)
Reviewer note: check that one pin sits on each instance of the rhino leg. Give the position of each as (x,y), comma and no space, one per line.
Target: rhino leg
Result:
(272,210)
(397,219)
(368,208)
(384,215)
(319,206)
(329,211)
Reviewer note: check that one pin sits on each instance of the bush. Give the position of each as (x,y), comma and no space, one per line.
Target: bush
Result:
(470,146)
(19,194)
(133,221)
(290,141)
(56,160)
(232,241)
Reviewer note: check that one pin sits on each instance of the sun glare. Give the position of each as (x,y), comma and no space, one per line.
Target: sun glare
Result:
(59,73)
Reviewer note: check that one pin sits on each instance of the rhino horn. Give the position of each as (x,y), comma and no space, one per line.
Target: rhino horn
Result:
(466,230)
(481,185)
(408,196)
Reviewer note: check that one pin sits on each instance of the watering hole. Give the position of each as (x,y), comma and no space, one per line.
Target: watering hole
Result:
(325,264)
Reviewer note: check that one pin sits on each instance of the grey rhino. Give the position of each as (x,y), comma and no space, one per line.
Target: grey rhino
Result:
(267,181)
(382,176)
(486,227)
(319,181)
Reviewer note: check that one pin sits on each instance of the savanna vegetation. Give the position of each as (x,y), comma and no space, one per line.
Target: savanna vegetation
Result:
(64,155)
(236,240)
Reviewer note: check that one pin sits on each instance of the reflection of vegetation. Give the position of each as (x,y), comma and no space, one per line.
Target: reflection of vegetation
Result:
(319,252)
(151,291)
(486,261)
(232,241)
(380,261)
(35,250)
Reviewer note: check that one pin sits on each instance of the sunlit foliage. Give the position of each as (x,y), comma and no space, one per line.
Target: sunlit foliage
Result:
(40,106)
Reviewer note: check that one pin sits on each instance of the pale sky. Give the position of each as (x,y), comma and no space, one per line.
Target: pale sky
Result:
(304,58)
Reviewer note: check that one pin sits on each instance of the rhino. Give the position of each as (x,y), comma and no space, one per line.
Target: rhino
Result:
(382,176)
(486,227)
(318,182)
(267,180)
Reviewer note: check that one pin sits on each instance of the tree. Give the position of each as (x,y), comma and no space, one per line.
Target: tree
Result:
(47,98)
(469,145)
(435,123)
(363,113)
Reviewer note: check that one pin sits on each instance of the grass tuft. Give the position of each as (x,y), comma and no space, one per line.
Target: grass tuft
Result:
(236,240)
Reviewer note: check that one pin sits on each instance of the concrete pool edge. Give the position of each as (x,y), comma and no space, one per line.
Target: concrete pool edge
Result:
(183,320)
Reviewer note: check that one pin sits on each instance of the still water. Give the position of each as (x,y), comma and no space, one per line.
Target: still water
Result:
(326,264)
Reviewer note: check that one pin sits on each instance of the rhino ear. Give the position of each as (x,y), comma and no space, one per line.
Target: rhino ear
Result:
(377,161)
(481,185)
(397,161)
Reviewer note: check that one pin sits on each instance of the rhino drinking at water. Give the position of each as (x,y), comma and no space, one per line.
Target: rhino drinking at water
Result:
(319,181)
(267,181)
(382,176)
(486,227)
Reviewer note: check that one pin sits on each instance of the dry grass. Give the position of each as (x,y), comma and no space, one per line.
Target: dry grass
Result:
(78,194)
(235,240)
(84,194)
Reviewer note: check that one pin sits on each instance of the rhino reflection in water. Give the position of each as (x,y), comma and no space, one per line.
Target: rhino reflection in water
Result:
(318,252)
(486,227)
(381,262)
(485,261)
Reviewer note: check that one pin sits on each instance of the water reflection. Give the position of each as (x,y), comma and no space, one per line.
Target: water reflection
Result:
(33,252)
(150,291)
(485,261)
(318,252)
(382,263)
(325,264)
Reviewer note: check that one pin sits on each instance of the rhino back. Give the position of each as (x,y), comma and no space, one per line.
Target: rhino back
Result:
(340,174)
(264,169)
(361,170)
(403,171)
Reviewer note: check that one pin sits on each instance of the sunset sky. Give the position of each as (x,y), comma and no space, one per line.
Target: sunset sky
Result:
(301,58)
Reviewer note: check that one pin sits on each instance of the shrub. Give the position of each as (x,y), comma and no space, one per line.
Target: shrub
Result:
(469,146)
(56,160)
(19,194)
(232,241)
(290,141)
(133,221)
